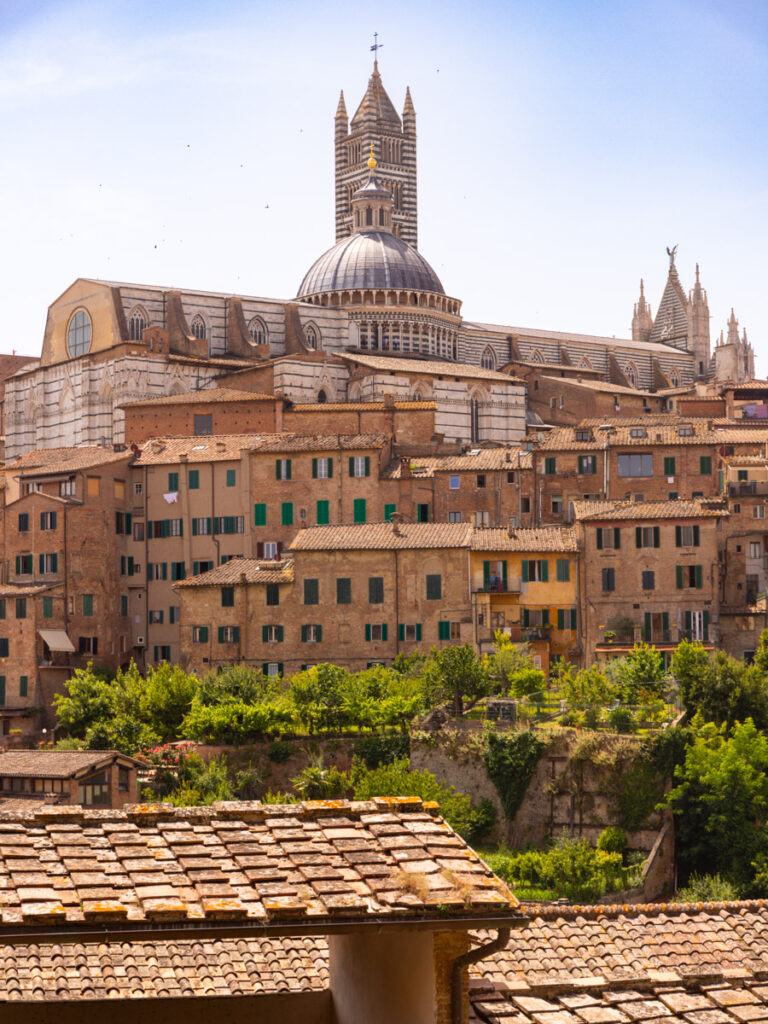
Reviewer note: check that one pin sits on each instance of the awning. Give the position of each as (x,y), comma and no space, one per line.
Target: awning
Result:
(57,640)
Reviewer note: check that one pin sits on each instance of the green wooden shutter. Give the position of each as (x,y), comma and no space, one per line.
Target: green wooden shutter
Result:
(323,513)
(368,632)
(303,634)
(359,511)
(384,631)
(314,469)
(330,468)
(278,469)
(23,686)
(656,537)
(287,469)
(280,634)
(287,513)
(236,635)
(389,511)
(525,570)
(678,536)
(526,617)
(545,571)
(486,575)
(418,632)
(504,574)
(638,536)
(706,626)
(545,616)
(260,514)
(647,626)
(2,690)
(679,575)
(42,563)
(665,623)
(574,619)
(617,537)
(221,634)
(18,565)
(699,577)
(696,536)
(688,622)
(443,630)
(599,535)
(264,634)
(319,634)
(367,465)
(351,465)
(401,632)
(561,618)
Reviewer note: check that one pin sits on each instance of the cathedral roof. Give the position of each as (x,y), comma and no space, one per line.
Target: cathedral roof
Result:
(376,105)
(671,324)
(372,259)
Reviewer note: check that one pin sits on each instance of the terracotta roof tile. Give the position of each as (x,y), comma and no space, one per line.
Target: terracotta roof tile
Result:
(588,510)
(382,536)
(46,461)
(57,764)
(361,406)
(474,461)
(204,397)
(255,571)
(599,385)
(395,364)
(552,538)
(155,863)
(620,435)
(224,447)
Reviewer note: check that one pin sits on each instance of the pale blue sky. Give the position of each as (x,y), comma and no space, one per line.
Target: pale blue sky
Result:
(562,145)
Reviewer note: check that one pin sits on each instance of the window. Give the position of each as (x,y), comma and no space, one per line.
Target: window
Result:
(636,465)
(647,536)
(311,591)
(23,686)
(137,321)
(178,570)
(557,504)
(550,465)
(323,513)
(454,517)
(409,631)
(567,618)
(359,510)
(204,566)
(23,565)
(481,481)
(47,608)
(434,586)
(286,513)
(322,469)
(21,607)
(311,634)
(482,518)
(138,531)
(23,522)
(271,549)
(88,645)
(123,604)
(705,465)
(422,513)
(343,590)
(689,577)
(257,331)
(742,475)
(48,563)
(535,571)
(94,791)
(229,634)
(79,334)
(510,476)
(685,431)
(758,511)
(227,597)
(608,537)
(376,631)
(228,524)
(587,464)
(272,669)
(87,604)
(686,536)
(92,486)
(359,465)
(488,358)
(3,654)
(755,549)
(199,634)
(389,511)
(609,579)
(47,520)
(204,423)
(194,479)
(173,482)
(67,488)
(376,590)
(272,634)
(123,777)
(198,327)
(525,505)
(453,482)
(231,477)
(201,526)
(563,570)
(649,580)
(156,616)
(157,571)
(282,469)
(162,652)
(584,435)
(669,465)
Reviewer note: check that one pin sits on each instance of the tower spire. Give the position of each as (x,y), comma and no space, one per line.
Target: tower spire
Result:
(642,321)
(376,47)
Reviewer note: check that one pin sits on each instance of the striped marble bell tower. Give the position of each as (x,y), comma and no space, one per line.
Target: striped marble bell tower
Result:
(394,146)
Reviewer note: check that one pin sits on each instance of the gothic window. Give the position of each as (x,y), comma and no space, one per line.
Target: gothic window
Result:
(488,358)
(381,216)
(474,419)
(537,357)
(312,335)
(79,334)
(258,332)
(198,327)
(321,396)
(586,363)
(674,378)
(368,217)
(137,321)
(630,372)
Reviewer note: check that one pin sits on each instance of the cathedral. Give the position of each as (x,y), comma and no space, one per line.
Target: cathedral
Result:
(370,319)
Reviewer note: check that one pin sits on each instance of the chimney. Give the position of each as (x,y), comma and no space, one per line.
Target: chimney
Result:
(389,401)
(397,518)
(405,469)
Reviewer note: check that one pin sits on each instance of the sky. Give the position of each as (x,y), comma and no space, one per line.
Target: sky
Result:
(562,145)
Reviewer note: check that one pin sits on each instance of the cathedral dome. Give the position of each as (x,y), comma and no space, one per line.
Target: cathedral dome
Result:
(370,259)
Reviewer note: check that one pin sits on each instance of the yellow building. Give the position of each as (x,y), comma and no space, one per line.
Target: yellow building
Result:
(525,582)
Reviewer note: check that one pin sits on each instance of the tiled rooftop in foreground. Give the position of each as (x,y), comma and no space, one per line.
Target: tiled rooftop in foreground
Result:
(298,867)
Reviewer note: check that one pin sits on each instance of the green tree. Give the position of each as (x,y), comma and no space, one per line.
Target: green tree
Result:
(720,802)
(719,688)
(459,674)
(586,688)
(511,670)
(640,675)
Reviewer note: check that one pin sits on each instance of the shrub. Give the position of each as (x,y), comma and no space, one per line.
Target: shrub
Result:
(377,750)
(707,889)
(279,751)
(612,840)
(622,720)
(510,761)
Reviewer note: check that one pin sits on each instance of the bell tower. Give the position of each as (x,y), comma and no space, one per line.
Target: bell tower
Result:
(377,123)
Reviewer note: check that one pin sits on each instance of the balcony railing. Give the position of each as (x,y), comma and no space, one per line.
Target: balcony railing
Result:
(496,585)
(744,488)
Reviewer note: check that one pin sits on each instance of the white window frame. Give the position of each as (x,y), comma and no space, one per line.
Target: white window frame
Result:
(454,482)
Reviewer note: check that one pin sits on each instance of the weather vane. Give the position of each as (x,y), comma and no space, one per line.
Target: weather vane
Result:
(376,47)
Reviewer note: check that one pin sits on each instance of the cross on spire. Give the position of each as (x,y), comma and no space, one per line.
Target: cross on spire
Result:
(375,48)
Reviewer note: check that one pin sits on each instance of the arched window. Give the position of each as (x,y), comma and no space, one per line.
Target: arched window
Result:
(674,378)
(369,216)
(630,372)
(537,357)
(381,216)
(258,332)
(321,396)
(586,363)
(488,358)
(312,335)
(137,321)
(79,334)
(198,327)
(474,419)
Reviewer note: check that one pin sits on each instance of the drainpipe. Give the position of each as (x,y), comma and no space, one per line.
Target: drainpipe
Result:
(472,957)
(606,468)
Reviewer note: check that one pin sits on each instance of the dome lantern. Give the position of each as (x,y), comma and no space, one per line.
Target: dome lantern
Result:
(372,204)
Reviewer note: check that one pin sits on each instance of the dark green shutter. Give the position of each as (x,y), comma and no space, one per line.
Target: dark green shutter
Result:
(264,634)
(314,469)
(287,469)
(699,577)
(665,623)
(18,565)
(367,465)
(656,537)
(42,563)
(696,536)
(706,626)
(679,575)
(401,632)
(260,514)
(504,574)
(418,632)
(688,622)
(303,634)
(526,617)
(388,512)
(384,631)
(599,538)
(487,575)
(323,513)
(638,536)
(368,631)
(647,626)
(236,635)
(545,571)
(545,616)
(280,634)
(574,619)
(525,570)
(678,536)
(617,537)
(561,618)
(351,465)
(278,469)
(319,634)
(221,634)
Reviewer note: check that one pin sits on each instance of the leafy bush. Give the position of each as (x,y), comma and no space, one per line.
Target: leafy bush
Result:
(376,750)
(622,720)
(707,889)
(233,721)
(279,751)
(612,840)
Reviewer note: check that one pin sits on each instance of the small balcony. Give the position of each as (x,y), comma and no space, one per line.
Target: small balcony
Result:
(745,488)
(496,585)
